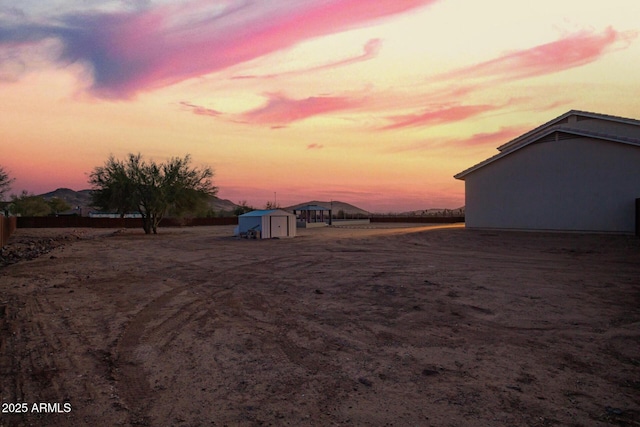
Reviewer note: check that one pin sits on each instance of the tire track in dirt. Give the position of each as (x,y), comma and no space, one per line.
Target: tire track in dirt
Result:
(131,379)
(11,379)
(304,351)
(36,363)
(177,309)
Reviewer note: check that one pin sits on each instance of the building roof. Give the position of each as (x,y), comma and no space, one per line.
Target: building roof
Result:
(266,212)
(558,129)
(562,119)
(312,208)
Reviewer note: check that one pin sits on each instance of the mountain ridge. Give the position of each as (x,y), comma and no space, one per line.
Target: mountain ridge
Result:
(82,199)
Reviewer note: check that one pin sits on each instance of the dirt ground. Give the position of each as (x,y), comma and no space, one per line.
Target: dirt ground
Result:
(381,325)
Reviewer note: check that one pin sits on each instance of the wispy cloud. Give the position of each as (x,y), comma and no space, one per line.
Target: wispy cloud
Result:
(438,116)
(280,110)
(572,51)
(446,101)
(200,110)
(370,51)
(501,136)
(140,50)
(504,134)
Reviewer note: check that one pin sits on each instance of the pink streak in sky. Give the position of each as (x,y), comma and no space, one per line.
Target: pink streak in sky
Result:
(573,51)
(370,51)
(280,110)
(439,116)
(134,52)
(500,136)
(506,133)
(201,111)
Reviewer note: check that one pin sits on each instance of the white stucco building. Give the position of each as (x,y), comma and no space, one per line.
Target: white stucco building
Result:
(577,172)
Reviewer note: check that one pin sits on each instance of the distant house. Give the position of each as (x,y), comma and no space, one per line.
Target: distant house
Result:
(577,172)
(267,224)
(98,214)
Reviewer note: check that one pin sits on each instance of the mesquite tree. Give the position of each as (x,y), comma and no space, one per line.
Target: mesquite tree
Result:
(153,189)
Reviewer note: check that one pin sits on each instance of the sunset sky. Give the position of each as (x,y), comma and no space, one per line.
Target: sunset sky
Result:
(373,102)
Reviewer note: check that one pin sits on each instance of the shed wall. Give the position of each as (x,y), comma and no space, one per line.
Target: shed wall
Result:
(246,223)
(578,184)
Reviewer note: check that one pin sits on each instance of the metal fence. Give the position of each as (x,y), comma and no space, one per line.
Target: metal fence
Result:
(7,227)
(86,222)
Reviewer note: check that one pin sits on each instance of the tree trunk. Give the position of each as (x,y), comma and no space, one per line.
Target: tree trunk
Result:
(146,224)
(155,222)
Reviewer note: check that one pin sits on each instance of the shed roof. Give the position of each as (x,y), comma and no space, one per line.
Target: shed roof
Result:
(265,212)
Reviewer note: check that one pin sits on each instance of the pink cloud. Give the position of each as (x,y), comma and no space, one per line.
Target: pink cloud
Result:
(504,134)
(439,116)
(280,110)
(370,51)
(132,52)
(201,111)
(573,51)
(501,136)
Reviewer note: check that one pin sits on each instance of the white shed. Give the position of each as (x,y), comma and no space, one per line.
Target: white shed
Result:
(268,223)
(577,172)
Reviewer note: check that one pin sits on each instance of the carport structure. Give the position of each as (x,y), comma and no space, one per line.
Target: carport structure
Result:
(312,216)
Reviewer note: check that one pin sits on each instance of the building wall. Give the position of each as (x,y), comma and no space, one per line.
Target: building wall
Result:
(574,184)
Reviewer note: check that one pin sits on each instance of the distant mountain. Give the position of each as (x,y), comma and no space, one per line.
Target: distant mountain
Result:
(73,198)
(82,199)
(221,204)
(335,206)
